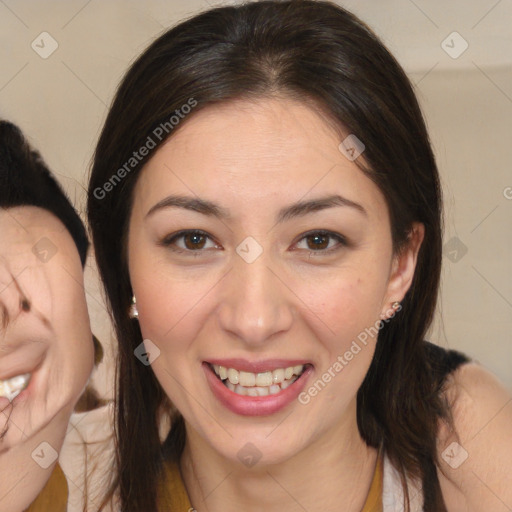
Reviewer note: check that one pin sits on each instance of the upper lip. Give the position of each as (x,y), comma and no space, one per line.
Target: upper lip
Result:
(26,359)
(257,366)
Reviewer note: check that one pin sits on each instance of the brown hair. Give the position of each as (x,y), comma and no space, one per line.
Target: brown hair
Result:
(312,51)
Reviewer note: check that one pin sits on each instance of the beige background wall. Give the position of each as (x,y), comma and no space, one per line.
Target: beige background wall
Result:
(61,101)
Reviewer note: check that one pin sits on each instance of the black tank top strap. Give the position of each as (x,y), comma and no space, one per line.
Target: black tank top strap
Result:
(443,361)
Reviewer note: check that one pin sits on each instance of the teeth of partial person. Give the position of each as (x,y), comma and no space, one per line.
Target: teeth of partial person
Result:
(258,384)
(11,388)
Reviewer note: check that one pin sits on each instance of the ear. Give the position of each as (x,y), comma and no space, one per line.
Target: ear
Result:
(402,268)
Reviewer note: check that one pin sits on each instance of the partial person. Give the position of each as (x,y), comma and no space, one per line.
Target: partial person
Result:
(46,344)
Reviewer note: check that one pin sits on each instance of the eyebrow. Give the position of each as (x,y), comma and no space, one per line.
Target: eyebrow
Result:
(294,210)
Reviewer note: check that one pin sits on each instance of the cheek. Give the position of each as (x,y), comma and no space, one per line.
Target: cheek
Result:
(346,301)
(172,309)
(348,306)
(168,297)
(75,340)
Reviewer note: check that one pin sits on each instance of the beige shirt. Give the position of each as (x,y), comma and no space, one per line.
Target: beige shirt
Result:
(87,457)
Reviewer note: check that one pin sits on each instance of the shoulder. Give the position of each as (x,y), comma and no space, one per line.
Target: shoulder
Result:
(475,460)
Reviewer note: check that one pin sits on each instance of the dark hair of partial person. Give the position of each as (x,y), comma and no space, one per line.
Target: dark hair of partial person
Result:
(25,180)
(323,56)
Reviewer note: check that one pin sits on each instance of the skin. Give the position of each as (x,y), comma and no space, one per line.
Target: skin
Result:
(56,329)
(292,302)
(482,412)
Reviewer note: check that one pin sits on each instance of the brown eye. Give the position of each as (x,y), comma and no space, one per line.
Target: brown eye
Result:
(321,241)
(316,242)
(194,241)
(191,242)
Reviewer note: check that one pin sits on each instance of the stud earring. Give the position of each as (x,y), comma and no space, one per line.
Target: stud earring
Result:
(390,313)
(133,309)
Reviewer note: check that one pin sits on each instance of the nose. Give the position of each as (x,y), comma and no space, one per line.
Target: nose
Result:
(256,304)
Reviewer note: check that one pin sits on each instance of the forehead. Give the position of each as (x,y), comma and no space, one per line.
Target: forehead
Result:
(241,151)
(29,231)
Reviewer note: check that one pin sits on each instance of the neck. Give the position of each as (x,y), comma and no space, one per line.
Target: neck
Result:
(336,468)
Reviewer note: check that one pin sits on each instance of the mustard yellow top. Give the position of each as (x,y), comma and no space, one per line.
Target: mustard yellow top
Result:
(54,495)
(175,497)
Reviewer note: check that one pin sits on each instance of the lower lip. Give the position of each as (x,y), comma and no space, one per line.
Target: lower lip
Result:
(255,405)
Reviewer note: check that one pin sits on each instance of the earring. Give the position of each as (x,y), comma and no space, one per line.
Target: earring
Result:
(390,313)
(133,309)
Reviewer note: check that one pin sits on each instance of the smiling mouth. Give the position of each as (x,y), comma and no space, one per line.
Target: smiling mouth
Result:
(11,388)
(258,384)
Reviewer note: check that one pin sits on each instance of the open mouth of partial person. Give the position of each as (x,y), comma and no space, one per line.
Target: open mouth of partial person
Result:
(20,370)
(11,388)
(256,393)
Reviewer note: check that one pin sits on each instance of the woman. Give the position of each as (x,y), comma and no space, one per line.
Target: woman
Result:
(46,349)
(266,213)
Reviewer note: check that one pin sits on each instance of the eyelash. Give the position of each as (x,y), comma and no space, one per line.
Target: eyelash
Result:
(170,240)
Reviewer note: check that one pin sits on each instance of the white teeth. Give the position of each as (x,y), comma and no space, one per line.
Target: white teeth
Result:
(223,372)
(11,388)
(287,383)
(264,379)
(233,376)
(240,390)
(247,379)
(258,384)
(297,370)
(274,389)
(277,376)
(262,391)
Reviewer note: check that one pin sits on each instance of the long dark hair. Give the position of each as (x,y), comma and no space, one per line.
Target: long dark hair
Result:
(316,52)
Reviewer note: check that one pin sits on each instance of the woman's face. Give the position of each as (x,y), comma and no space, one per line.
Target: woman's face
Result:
(46,349)
(290,272)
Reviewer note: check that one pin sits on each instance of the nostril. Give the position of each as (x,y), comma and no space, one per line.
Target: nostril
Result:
(4,316)
(25,304)
(13,295)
